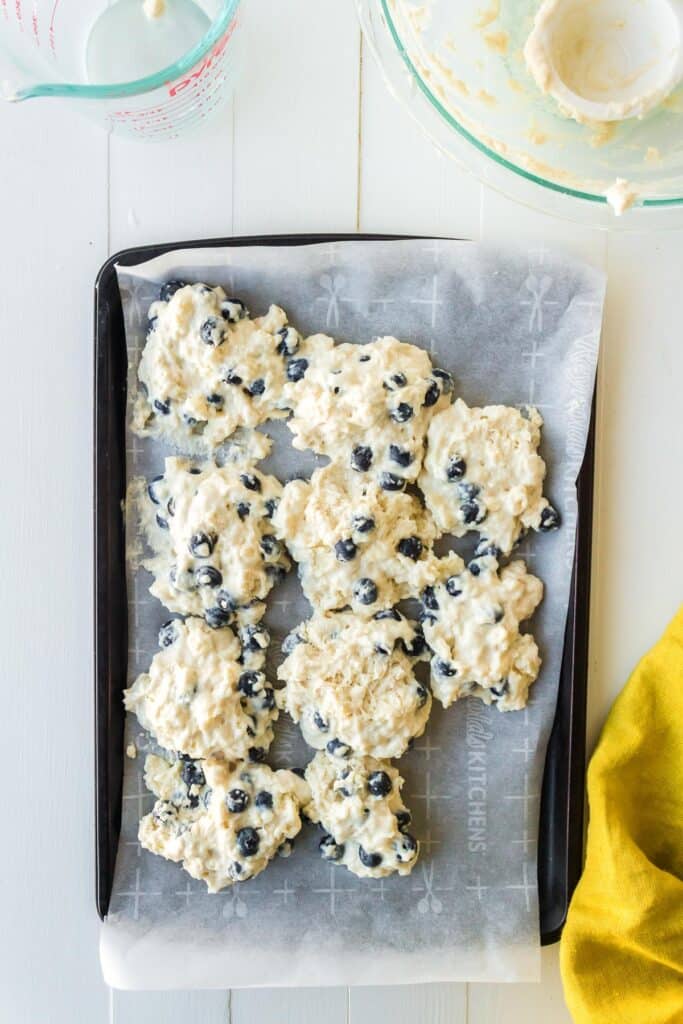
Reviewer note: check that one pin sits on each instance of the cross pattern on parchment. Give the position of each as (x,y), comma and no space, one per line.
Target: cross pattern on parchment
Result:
(431,302)
(478,888)
(428,796)
(333,891)
(137,893)
(526,797)
(427,748)
(526,886)
(526,840)
(286,891)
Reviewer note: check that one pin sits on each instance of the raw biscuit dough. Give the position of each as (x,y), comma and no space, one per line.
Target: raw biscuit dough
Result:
(215,550)
(368,406)
(350,683)
(200,697)
(207,368)
(354,541)
(358,803)
(482,471)
(471,622)
(224,822)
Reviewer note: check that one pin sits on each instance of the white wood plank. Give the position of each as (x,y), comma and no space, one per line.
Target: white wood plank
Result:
(296,119)
(53,217)
(173,191)
(409,1004)
(171,1008)
(640,459)
(522,1004)
(406,184)
(289,1006)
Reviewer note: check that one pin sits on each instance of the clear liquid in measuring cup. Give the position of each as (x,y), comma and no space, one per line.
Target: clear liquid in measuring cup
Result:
(124,44)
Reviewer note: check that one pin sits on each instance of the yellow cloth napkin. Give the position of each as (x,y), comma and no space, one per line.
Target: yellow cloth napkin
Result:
(622,948)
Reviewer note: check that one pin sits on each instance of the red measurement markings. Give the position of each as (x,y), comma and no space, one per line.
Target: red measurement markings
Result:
(34,23)
(51,30)
(3,4)
(205,65)
(18,12)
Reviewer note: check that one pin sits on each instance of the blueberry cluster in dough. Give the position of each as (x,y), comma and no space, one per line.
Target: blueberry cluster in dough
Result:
(223,821)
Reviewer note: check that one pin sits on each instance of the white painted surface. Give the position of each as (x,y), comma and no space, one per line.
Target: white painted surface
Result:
(312,142)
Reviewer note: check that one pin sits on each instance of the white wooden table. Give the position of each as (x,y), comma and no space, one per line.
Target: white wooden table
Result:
(312,142)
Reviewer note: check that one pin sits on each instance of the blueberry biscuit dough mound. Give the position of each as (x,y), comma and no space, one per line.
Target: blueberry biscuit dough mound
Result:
(482,471)
(216,554)
(350,683)
(471,623)
(368,406)
(354,541)
(200,697)
(229,824)
(358,804)
(207,368)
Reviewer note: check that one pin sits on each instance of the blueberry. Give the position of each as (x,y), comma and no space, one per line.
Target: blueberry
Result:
(369,860)
(467,491)
(168,633)
(363,524)
(215,399)
(399,455)
(225,602)
(243,509)
(151,323)
(364,358)
(289,341)
(161,522)
(337,748)
(411,547)
(361,458)
(345,550)
(379,784)
(264,800)
(397,380)
(406,848)
(320,722)
(391,482)
(417,645)
(257,754)
(248,681)
(388,613)
(484,549)
(257,387)
(169,289)
(429,599)
(254,638)
(202,544)
(233,310)
(403,819)
(217,617)
(151,490)
(502,688)
(270,507)
(208,576)
(237,801)
(401,413)
(231,377)
(296,368)
(445,379)
(251,482)
(470,511)
(474,567)
(163,407)
(432,394)
(192,774)
(422,695)
(194,471)
(444,668)
(365,590)
(270,545)
(248,841)
(330,849)
(550,519)
(212,332)
(290,642)
(379,649)
(456,468)
(170,506)
(453,586)
(268,698)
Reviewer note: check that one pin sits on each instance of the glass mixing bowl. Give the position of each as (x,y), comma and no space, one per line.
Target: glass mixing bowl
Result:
(460,71)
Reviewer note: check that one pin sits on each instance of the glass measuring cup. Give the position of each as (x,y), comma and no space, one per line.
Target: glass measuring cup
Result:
(149,77)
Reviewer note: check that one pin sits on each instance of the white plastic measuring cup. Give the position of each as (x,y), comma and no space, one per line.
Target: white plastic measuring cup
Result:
(607,60)
(153,78)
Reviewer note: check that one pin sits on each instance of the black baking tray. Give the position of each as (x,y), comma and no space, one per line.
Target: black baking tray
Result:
(560,849)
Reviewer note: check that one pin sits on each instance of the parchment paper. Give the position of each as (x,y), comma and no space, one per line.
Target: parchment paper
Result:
(513,327)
